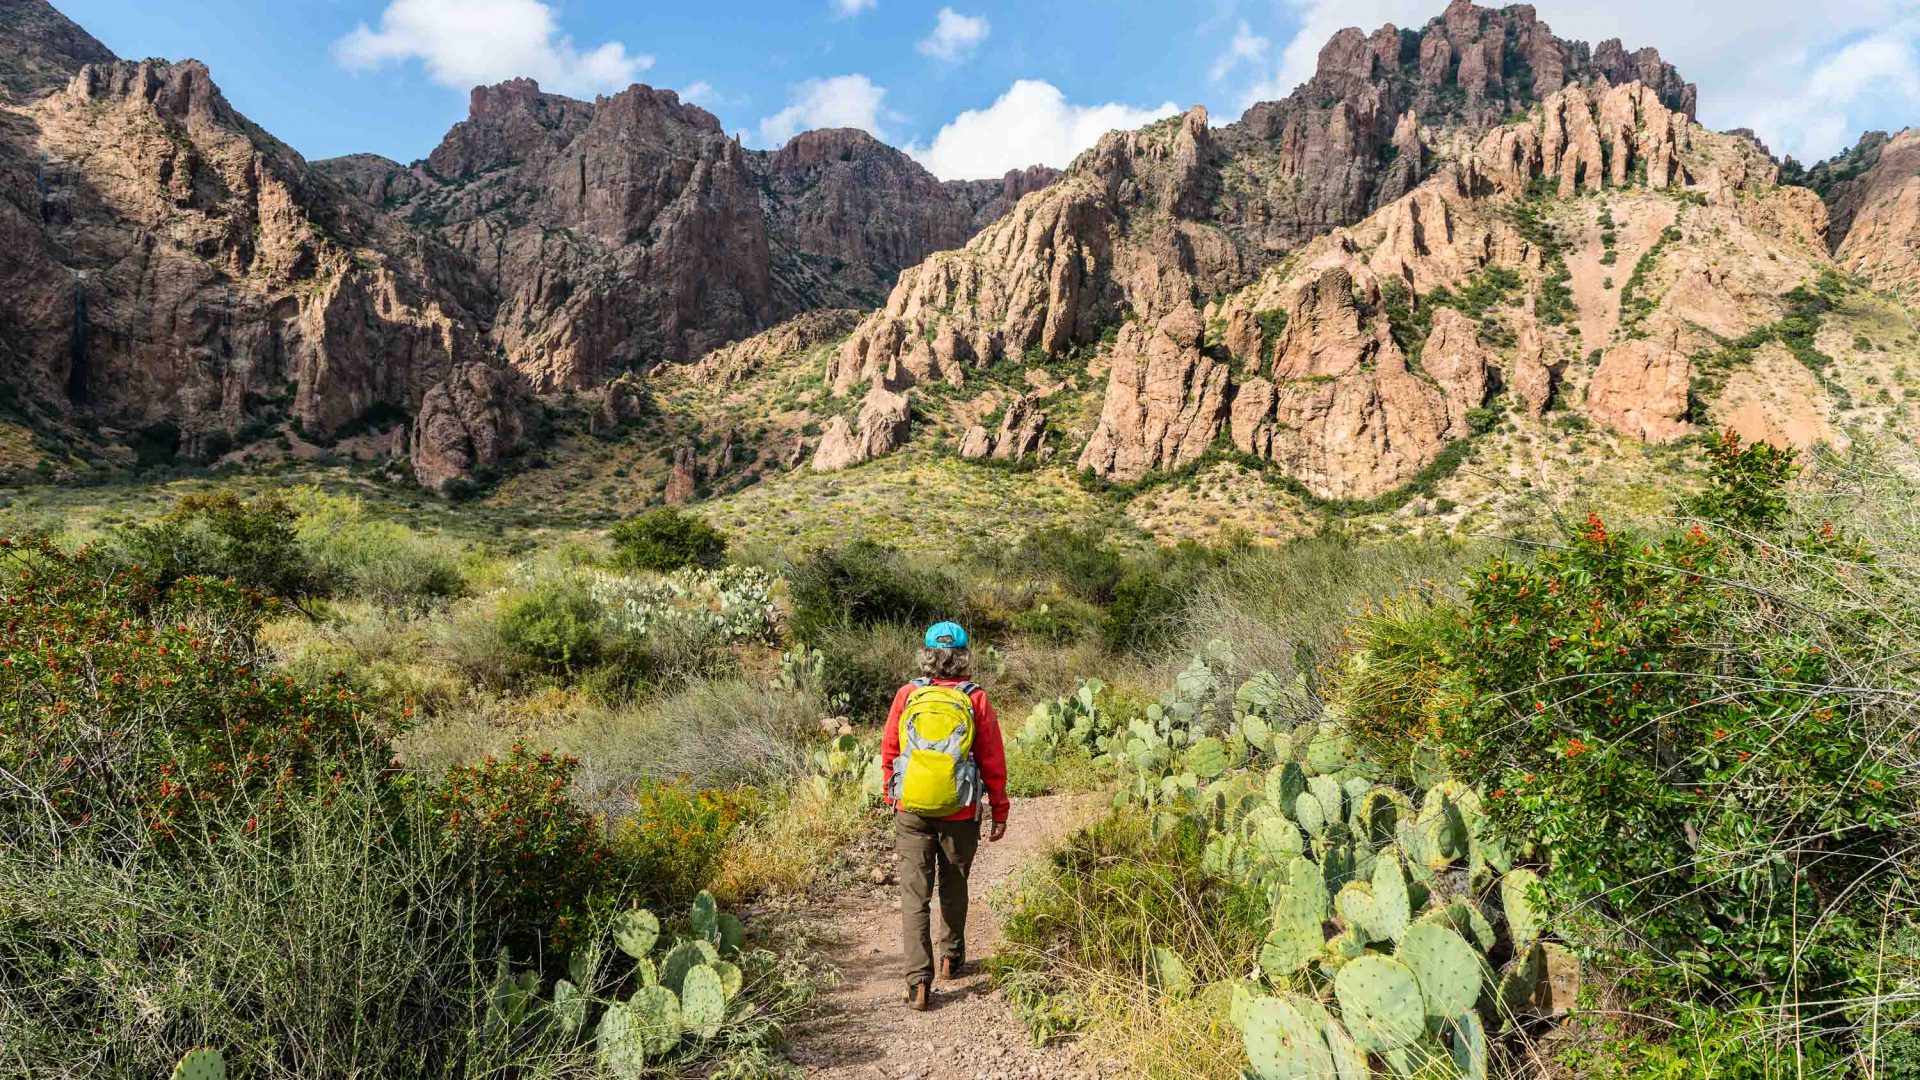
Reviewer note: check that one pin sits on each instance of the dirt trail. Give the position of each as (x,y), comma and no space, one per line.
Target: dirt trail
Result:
(865,1032)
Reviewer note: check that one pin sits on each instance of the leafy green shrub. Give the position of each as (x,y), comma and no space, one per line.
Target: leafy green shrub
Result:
(1080,560)
(383,562)
(1151,598)
(120,695)
(220,536)
(554,629)
(673,840)
(866,584)
(1062,622)
(1745,486)
(536,854)
(666,539)
(865,666)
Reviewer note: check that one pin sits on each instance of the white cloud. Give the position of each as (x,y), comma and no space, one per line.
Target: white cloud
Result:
(1032,123)
(852,7)
(1246,47)
(466,43)
(703,94)
(1808,77)
(851,101)
(954,35)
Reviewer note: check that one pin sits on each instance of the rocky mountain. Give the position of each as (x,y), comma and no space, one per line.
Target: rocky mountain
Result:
(632,230)
(1873,194)
(179,282)
(1152,221)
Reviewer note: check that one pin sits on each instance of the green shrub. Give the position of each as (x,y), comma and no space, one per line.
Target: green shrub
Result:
(554,629)
(1079,560)
(1062,622)
(1151,598)
(866,584)
(675,836)
(666,539)
(865,666)
(383,562)
(537,855)
(219,536)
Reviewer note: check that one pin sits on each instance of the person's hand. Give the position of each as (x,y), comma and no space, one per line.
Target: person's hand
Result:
(997,832)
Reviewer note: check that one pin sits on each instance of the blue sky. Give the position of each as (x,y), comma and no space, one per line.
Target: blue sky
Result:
(971,87)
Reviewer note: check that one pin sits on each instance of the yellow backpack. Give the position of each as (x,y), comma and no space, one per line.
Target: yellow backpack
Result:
(935,775)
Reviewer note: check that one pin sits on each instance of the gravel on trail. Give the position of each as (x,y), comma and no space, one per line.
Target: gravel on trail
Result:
(864,1031)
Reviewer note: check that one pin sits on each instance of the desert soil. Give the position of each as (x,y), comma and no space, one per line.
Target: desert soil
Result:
(865,1032)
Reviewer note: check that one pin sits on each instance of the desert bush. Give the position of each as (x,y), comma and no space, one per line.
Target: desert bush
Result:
(222,537)
(553,628)
(865,666)
(666,539)
(865,584)
(1062,621)
(1080,561)
(385,563)
(673,840)
(1151,598)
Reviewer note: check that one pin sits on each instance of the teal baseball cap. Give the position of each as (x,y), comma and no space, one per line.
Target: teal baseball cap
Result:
(946,635)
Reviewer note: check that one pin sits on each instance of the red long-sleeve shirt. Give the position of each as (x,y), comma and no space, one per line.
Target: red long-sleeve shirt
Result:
(988,750)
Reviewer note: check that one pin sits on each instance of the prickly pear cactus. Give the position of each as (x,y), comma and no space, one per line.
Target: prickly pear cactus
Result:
(1308,812)
(569,1008)
(730,978)
(1469,1046)
(703,1002)
(730,934)
(1299,906)
(201,1065)
(1282,1043)
(583,964)
(618,1044)
(1449,971)
(1380,1001)
(636,932)
(682,959)
(1524,924)
(705,916)
(656,1020)
(1169,973)
(1207,758)
(1392,906)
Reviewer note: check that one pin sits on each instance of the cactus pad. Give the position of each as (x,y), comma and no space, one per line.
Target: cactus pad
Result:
(703,1002)
(684,957)
(731,933)
(705,915)
(1274,838)
(583,963)
(1207,758)
(1517,897)
(1299,907)
(1380,813)
(1284,1044)
(569,1008)
(1380,1001)
(1353,905)
(1285,784)
(619,1045)
(1332,798)
(1469,1043)
(1308,811)
(656,1019)
(1519,983)
(1449,971)
(1170,973)
(1391,905)
(201,1065)
(731,978)
(636,932)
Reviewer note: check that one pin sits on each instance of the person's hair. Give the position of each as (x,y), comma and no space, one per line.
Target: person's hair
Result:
(945,663)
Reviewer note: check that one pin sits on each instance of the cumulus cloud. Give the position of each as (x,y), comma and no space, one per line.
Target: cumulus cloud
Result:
(465,43)
(852,7)
(851,101)
(1032,123)
(1808,77)
(954,35)
(1246,48)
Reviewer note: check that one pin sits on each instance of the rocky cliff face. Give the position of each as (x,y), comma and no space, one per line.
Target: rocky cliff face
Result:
(631,230)
(1873,195)
(1156,220)
(169,266)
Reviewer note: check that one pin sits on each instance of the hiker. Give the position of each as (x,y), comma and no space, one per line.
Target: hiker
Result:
(953,756)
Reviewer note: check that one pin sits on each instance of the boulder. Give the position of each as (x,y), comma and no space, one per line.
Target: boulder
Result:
(1640,390)
(885,420)
(467,423)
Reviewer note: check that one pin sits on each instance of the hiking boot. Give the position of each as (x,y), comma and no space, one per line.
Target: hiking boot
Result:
(952,967)
(917,997)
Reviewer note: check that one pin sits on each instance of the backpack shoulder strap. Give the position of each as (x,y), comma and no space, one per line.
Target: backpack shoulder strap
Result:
(921,682)
(968,688)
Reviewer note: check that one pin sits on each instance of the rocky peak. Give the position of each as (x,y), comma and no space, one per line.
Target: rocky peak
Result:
(182,92)
(1872,194)
(511,123)
(43,49)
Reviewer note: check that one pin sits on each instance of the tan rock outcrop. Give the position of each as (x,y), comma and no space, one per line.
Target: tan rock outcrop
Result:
(1165,402)
(1877,218)
(1531,377)
(467,423)
(885,420)
(976,443)
(1640,390)
(1344,412)
(683,480)
(1022,430)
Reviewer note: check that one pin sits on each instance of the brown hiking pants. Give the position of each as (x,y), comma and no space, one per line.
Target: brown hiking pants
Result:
(933,854)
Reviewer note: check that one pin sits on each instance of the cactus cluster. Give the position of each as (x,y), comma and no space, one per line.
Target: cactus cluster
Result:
(1068,722)
(1402,930)
(846,762)
(683,989)
(201,1065)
